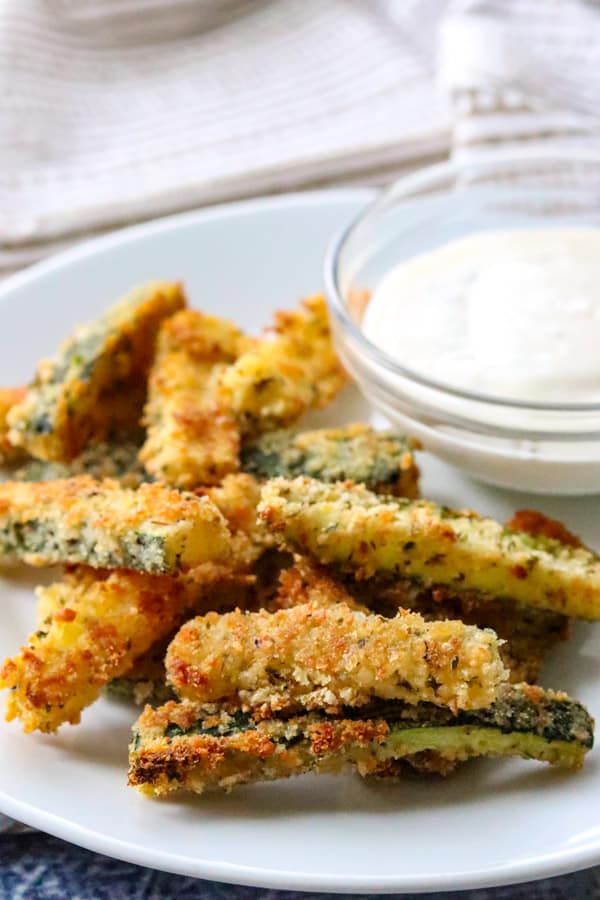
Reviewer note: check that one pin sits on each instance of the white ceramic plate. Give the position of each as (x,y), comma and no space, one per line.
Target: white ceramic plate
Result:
(493,823)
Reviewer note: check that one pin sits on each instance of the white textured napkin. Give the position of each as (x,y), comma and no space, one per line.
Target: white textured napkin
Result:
(521,73)
(116,110)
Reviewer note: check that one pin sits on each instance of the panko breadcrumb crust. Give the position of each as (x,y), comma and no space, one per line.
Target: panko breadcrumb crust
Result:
(102,524)
(295,368)
(192,433)
(312,656)
(70,401)
(365,534)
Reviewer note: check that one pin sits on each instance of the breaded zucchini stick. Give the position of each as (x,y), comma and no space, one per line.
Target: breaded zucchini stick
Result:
(193,436)
(357,531)
(103,460)
(182,746)
(313,656)
(381,460)
(291,370)
(69,403)
(97,623)
(101,524)
(9,397)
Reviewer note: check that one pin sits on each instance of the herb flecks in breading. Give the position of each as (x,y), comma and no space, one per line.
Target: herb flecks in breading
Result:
(101,524)
(291,370)
(363,533)
(71,400)
(381,460)
(183,746)
(315,656)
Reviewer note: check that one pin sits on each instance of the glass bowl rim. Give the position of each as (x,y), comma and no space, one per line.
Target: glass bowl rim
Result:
(422,178)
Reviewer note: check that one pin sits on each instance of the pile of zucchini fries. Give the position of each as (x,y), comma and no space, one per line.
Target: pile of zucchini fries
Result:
(281,599)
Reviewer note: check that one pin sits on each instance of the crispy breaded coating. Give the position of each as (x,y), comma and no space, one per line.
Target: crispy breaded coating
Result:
(98,626)
(70,401)
(101,524)
(293,369)
(193,436)
(97,623)
(237,499)
(183,746)
(314,656)
(103,460)
(358,531)
(9,397)
(305,582)
(145,681)
(381,460)
(535,523)
(528,633)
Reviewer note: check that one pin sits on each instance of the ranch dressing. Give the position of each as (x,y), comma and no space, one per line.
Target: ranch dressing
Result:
(514,314)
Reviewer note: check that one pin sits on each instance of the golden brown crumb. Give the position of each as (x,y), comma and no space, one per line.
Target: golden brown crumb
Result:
(314,656)
(102,524)
(537,524)
(9,397)
(193,437)
(293,369)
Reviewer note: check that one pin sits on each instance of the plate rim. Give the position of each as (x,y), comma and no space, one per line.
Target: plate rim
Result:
(279,879)
(563,862)
(173,221)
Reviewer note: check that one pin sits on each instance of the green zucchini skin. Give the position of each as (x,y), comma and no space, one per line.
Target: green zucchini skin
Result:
(96,379)
(184,746)
(382,460)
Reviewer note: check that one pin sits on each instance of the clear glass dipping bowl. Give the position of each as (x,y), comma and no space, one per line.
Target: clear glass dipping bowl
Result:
(536,447)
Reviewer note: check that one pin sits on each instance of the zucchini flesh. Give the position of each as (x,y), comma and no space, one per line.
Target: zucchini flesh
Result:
(185,746)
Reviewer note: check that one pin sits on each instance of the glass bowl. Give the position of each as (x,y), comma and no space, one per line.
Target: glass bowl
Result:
(536,447)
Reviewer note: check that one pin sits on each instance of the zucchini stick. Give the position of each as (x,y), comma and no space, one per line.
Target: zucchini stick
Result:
(381,460)
(182,746)
(193,436)
(314,656)
(96,627)
(97,624)
(293,369)
(101,524)
(69,403)
(356,531)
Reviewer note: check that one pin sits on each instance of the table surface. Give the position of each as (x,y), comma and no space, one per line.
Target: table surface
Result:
(36,866)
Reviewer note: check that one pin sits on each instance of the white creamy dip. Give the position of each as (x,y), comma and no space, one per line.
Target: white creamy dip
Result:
(510,313)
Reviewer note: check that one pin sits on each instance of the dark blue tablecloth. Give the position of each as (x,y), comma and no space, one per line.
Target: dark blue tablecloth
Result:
(35,866)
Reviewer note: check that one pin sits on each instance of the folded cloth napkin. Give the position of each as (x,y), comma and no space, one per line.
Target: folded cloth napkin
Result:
(520,73)
(117,110)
